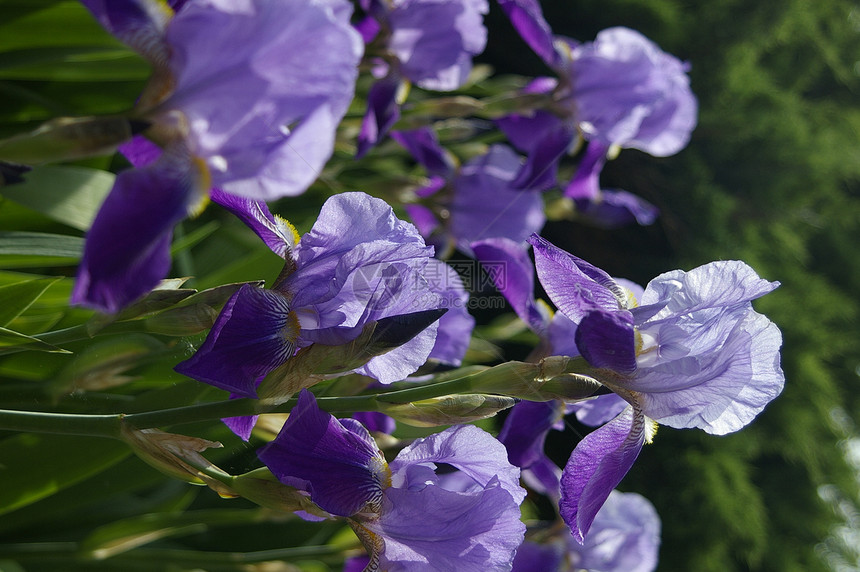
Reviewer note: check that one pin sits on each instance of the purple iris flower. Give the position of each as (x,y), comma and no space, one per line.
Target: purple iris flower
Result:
(408,517)
(359,263)
(625,537)
(527,425)
(427,42)
(691,352)
(233,104)
(619,90)
(476,201)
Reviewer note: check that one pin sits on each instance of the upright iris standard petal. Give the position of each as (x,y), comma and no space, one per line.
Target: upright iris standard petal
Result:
(339,465)
(607,340)
(630,93)
(435,40)
(596,466)
(252,336)
(261,117)
(128,246)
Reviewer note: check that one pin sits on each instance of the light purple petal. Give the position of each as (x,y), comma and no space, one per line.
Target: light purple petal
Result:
(585,184)
(717,284)
(625,536)
(541,169)
(597,410)
(719,387)
(574,286)
(435,40)
(607,340)
(338,462)
(468,448)
(596,466)
(252,336)
(434,529)
(511,270)
(486,205)
(527,19)
(127,250)
(261,117)
(382,113)
(562,336)
(628,92)
(423,218)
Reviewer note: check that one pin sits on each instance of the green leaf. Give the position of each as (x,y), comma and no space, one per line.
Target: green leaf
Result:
(10,338)
(70,195)
(41,244)
(16,298)
(33,467)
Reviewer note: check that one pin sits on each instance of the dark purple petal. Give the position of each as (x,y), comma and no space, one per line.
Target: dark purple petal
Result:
(528,20)
(607,340)
(525,131)
(241,426)
(585,184)
(127,251)
(614,208)
(253,335)
(435,529)
(541,169)
(424,147)
(382,113)
(423,218)
(596,466)
(337,463)
(368,27)
(533,557)
(511,270)
(140,151)
(375,421)
(274,231)
(575,286)
(140,24)
(525,429)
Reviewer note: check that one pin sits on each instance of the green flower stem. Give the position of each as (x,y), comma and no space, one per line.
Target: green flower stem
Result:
(77,333)
(517,379)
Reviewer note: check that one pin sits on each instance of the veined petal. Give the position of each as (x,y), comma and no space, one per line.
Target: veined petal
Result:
(278,234)
(607,340)
(575,286)
(140,24)
(253,335)
(596,466)
(468,448)
(337,462)
(127,251)
(433,529)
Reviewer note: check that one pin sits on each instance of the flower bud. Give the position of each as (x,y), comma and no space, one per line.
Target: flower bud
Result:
(447,410)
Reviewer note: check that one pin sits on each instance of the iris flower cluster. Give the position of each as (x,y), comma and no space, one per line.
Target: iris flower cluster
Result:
(244,106)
